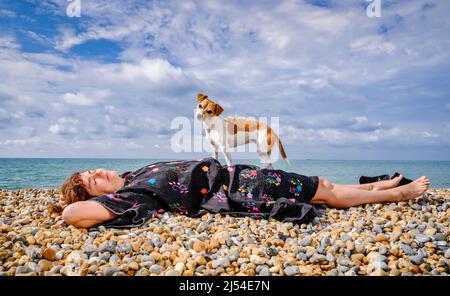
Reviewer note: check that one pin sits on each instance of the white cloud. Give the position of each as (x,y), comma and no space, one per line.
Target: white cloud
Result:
(19,142)
(7,13)
(8,42)
(87,98)
(329,137)
(375,45)
(429,135)
(286,58)
(314,83)
(65,127)
(27,131)
(133,145)
(156,71)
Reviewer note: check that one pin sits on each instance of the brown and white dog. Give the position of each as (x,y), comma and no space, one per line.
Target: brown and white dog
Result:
(223,134)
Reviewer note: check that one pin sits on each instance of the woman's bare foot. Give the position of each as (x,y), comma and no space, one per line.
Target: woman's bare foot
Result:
(386,184)
(414,189)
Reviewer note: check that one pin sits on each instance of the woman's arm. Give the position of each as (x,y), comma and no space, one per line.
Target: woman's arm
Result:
(85,214)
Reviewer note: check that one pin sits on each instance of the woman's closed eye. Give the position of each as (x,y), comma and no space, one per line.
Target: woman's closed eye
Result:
(93,177)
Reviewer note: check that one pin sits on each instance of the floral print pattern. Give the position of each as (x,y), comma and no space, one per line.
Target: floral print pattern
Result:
(190,187)
(177,187)
(274,178)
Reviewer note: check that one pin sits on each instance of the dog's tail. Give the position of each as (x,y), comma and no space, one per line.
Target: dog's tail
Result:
(282,152)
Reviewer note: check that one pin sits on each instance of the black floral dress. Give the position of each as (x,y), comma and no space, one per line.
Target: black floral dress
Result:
(195,187)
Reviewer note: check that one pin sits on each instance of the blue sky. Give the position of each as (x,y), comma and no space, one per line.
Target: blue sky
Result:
(109,83)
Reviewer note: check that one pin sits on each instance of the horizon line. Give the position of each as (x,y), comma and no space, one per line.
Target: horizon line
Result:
(194,158)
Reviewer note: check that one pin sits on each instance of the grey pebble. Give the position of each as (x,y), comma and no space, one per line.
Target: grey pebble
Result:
(380,265)
(380,258)
(93,268)
(443,263)
(147,258)
(105,247)
(325,242)
(18,239)
(22,270)
(343,261)
(342,269)
(305,242)
(332,272)
(233,255)
(421,228)
(347,253)
(94,234)
(417,207)
(109,271)
(317,258)
(435,272)
(271,252)
(32,253)
(377,229)
(59,255)
(330,257)
(222,262)
(382,250)
(264,271)
(56,269)
(89,249)
(156,268)
(422,238)
(114,259)
(447,254)
(124,248)
(393,206)
(407,249)
(33,267)
(346,237)
(360,248)
(439,237)
(320,250)
(104,256)
(302,256)
(291,270)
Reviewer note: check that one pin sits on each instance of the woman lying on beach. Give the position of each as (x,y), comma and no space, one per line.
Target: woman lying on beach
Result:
(102,196)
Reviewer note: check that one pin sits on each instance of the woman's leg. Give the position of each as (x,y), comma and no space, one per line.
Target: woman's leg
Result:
(344,197)
(85,214)
(379,185)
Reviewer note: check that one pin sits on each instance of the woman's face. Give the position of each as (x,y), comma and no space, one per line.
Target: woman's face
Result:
(100,181)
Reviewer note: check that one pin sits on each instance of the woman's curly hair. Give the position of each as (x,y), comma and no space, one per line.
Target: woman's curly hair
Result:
(72,190)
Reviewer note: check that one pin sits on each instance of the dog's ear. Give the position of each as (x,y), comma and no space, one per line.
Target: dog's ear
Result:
(218,109)
(201,97)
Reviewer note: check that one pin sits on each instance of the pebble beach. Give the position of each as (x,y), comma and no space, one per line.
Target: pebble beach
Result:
(396,239)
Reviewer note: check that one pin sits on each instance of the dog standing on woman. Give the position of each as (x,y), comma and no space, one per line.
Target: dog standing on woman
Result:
(224,134)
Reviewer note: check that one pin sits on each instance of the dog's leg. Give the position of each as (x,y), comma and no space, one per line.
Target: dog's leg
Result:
(265,159)
(227,156)
(214,152)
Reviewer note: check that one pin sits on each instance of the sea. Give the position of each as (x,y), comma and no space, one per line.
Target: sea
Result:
(47,173)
